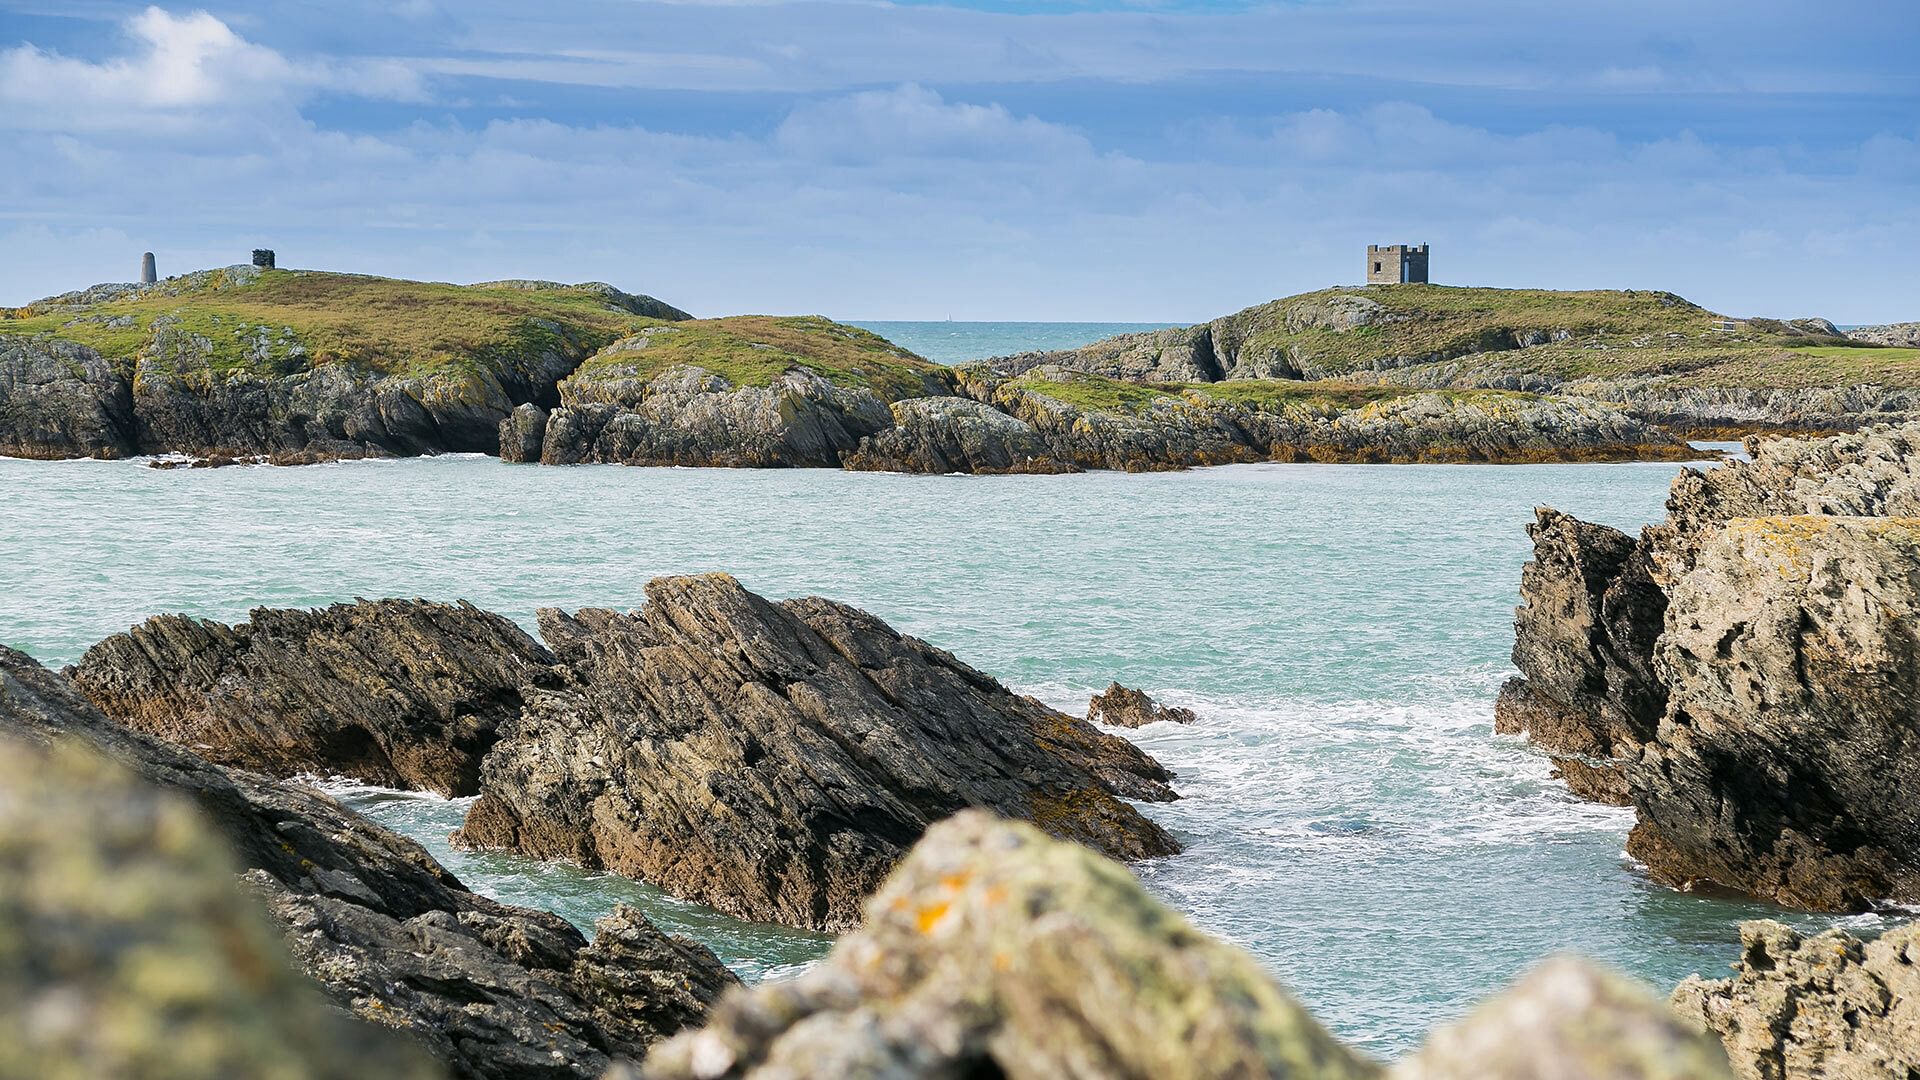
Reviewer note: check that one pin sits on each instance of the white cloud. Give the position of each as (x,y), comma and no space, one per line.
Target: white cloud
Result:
(182,67)
(912,120)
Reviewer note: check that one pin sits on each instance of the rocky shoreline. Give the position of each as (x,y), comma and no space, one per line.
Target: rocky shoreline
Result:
(1745,673)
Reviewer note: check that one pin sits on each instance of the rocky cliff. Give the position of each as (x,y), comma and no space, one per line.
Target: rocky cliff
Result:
(1745,672)
(994,951)
(776,760)
(493,991)
(402,693)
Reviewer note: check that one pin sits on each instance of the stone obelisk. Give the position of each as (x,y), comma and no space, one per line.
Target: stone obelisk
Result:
(147,274)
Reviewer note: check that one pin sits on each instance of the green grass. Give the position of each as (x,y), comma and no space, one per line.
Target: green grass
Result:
(381,325)
(1095,392)
(1321,396)
(755,350)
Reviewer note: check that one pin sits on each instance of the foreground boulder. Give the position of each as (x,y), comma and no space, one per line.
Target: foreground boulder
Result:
(776,760)
(995,951)
(401,693)
(1829,1007)
(495,991)
(1120,706)
(126,948)
(1744,673)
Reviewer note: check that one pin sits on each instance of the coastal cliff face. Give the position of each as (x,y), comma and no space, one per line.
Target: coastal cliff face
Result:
(399,693)
(777,760)
(1745,673)
(491,990)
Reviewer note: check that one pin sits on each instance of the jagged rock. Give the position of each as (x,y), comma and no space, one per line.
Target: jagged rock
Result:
(1829,1007)
(1119,706)
(994,951)
(776,760)
(1583,636)
(1788,763)
(1902,335)
(60,400)
(127,950)
(1568,1020)
(403,693)
(523,433)
(954,434)
(1765,626)
(387,931)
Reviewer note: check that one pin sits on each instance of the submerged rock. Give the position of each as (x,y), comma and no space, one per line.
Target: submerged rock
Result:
(1829,1007)
(1745,672)
(402,693)
(127,950)
(1118,706)
(994,951)
(494,990)
(776,760)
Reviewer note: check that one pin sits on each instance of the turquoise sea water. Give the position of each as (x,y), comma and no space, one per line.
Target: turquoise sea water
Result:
(1349,816)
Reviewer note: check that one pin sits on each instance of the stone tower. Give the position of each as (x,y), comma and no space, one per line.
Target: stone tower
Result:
(147,273)
(1398,264)
(263,258)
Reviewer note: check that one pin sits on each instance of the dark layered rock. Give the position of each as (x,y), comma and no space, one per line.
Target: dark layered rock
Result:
(1828,1007)
(1745,672)
(402,693)
(1120,706)
(776,760)
(954,435)
(127,950)
(994,951)
(1584,637)
(496,991)
(523,434)
(60,400)
(1788,764)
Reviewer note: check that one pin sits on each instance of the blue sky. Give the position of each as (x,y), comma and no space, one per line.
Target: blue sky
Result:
(994,160)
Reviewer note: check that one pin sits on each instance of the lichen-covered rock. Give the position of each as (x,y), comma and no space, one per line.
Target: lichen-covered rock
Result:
(61,400)
(1120,706)
(404,693)
(776,760)
(523,433)
(127,950)
(954,434)
(1828,1007)
(1788,763)
(1569,1019)
(387,931)
(1583,637)
(1904,335)
(994,951)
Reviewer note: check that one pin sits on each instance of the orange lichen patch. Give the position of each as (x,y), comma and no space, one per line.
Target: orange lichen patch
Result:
(931,915)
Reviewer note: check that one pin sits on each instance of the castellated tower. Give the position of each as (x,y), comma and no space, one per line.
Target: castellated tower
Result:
(1399,264)
(147,274)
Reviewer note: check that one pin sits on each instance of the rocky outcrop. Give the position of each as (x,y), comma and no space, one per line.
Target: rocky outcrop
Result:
(776,760)
(60,400)
(954,435)
(1788,763)
(995,952)
(127,950)
(496,991)
(1744,673)
(1904,335)
(1829,1007)
(402,693)
(523,434)
(1120,706)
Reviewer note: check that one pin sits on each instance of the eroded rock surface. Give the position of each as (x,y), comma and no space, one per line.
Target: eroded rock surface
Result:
(127,950)
(496,991)
(954,434)
(1828,1007)
(1120,706)
(59,399)
(402,693)
(1745,673)
(994,951)
(776,760)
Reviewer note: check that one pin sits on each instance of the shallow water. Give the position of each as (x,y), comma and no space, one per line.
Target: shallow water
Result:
(1349,815)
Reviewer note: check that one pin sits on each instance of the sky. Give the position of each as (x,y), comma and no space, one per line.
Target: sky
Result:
(1058,160)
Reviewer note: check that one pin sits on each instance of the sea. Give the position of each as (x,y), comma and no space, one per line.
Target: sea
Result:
(1348,814)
